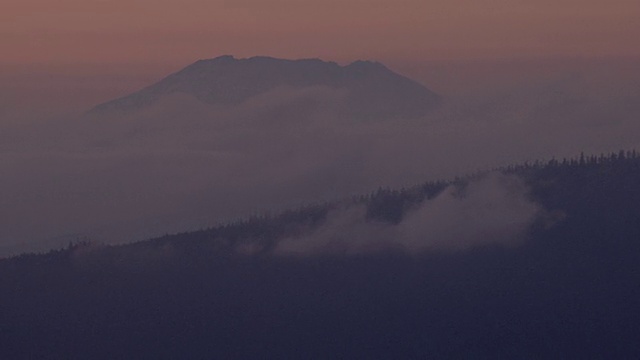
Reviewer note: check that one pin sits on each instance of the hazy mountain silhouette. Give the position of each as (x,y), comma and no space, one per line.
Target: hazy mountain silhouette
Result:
(372,89)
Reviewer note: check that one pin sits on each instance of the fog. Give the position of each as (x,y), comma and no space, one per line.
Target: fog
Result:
(183,165)
(494,209)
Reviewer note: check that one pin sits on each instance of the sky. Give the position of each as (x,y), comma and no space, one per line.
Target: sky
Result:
(177,32)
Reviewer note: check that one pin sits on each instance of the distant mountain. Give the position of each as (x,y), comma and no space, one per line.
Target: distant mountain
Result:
(372,89)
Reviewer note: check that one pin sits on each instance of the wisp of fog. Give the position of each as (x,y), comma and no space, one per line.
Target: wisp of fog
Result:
(182,164)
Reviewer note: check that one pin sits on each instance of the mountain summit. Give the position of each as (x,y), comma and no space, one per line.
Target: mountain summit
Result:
(372,89)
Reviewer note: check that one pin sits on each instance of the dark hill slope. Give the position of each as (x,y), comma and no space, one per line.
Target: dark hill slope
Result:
(571,291)
(372,89)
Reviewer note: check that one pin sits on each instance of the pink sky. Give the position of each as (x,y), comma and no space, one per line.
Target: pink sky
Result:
(177,32)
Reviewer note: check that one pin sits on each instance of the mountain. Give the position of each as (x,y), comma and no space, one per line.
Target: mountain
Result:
(205,294)
(372,89)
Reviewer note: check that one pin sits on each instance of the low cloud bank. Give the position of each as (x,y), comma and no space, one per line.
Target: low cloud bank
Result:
(494,209)
(184,165)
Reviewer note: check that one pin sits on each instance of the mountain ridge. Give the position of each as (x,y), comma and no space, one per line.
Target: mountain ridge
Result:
(191,295)
(373,89)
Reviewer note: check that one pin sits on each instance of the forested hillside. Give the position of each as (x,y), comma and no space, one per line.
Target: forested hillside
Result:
(560,282)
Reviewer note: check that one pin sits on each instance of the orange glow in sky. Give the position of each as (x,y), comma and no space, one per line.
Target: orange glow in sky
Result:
(179,31)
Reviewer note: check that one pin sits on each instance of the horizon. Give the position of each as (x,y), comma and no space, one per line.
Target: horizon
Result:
(72,88)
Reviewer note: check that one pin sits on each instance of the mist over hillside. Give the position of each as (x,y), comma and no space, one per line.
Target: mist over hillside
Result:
(181,163)
(313,179)
(534,260)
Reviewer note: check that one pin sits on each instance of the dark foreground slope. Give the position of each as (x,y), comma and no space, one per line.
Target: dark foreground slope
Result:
(569,291)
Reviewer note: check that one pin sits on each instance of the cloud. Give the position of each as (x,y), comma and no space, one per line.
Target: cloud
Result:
(494,209)
(184,165)
(346,231)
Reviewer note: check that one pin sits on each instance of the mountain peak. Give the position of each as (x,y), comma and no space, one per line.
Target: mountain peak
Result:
(222,58)
(373,89)
(366,64)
